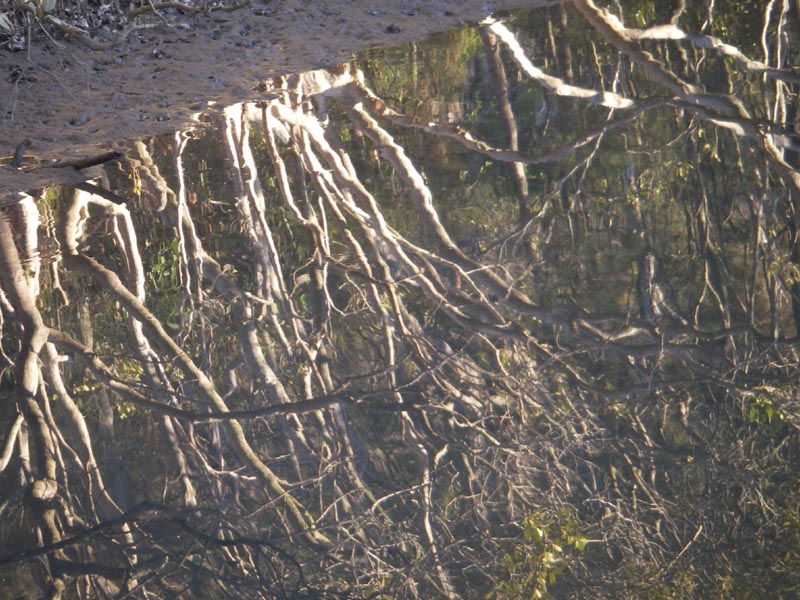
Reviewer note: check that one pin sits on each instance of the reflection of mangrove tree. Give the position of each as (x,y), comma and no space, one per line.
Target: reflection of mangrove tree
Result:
(543,340)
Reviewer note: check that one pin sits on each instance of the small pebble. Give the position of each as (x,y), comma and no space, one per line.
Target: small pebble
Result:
(79,120)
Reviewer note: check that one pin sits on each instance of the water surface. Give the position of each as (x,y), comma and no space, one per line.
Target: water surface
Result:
(507,313)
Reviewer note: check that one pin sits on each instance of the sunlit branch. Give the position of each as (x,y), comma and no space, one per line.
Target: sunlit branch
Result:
(707,42)
(9,441)
(554,84)
(466,139)
(155,331)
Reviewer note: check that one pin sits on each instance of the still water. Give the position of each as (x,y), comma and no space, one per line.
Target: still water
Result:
(512,312)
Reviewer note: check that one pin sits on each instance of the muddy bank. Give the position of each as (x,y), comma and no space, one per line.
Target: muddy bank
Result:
(72,102)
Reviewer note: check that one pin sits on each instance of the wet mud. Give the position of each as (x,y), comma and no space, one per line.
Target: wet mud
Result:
(63,102)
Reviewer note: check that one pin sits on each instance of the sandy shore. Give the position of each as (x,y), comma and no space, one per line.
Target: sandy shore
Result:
(72,102)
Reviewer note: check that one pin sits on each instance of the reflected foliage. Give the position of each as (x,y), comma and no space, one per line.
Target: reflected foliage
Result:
(512,313)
